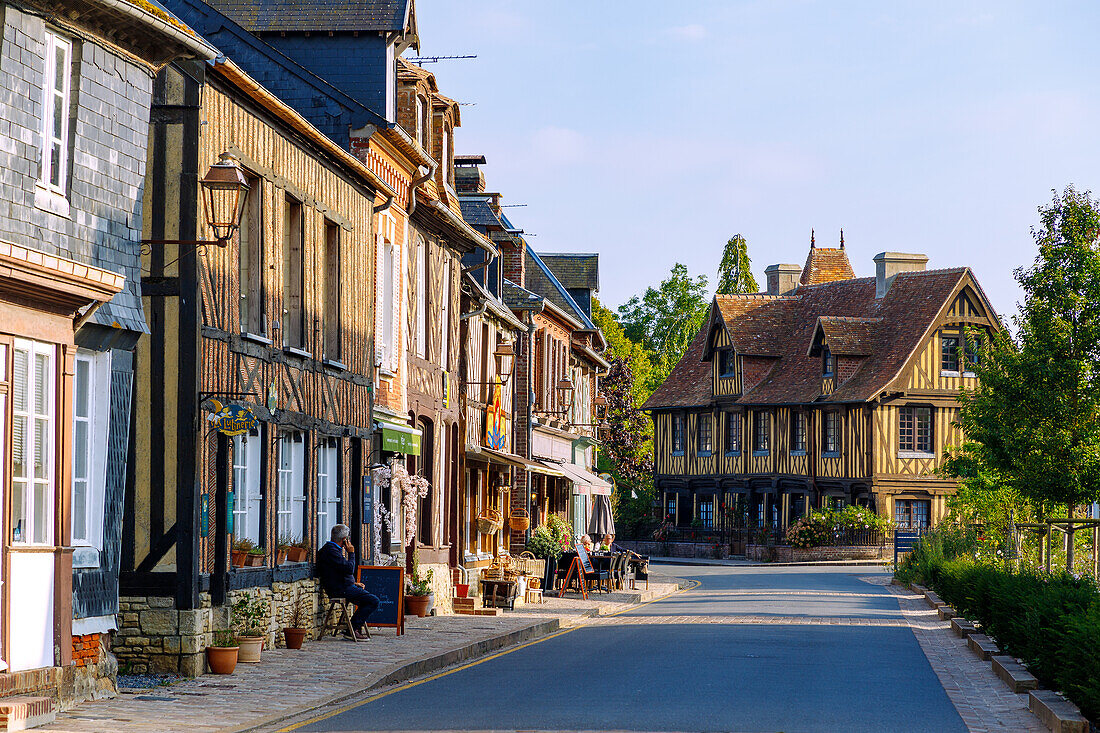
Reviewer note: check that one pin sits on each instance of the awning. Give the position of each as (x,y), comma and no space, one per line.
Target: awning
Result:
(494,456)
(584,481)
(547,468)
(400,439)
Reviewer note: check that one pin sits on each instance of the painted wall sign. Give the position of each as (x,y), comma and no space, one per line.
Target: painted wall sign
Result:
(232,419)
(496,422)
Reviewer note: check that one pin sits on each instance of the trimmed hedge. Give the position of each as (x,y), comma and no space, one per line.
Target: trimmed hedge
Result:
(1052,622)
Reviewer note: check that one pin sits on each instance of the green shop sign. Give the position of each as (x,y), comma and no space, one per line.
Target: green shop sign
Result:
(397,440)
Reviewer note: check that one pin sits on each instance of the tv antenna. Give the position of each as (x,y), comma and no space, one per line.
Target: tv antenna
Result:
(421,60)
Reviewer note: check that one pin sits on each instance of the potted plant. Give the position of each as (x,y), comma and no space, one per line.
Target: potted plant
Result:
(240,551)
(221,655)
(298,551)
(285,542)
(418,595)
(255,558)
(295,634)
(250,615)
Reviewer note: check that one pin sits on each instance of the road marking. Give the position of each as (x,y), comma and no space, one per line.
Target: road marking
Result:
(483,660)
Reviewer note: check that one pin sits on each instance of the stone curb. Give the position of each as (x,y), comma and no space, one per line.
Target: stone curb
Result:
(1057,713)
(427,664)
(1014,674)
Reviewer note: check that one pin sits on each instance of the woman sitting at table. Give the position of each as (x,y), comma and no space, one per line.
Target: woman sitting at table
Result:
(586,543)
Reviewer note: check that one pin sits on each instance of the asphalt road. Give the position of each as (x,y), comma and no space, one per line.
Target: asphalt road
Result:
(678,665)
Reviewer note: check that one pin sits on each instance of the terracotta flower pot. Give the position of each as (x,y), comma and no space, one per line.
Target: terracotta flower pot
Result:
(297,554)
(418,605)
(294,637)
(280,556)
(253,561)
(250,648)
(222,659)
(240,557)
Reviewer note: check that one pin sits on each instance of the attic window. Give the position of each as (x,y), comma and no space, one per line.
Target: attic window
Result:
(828,362)
(950,353)
(726,363)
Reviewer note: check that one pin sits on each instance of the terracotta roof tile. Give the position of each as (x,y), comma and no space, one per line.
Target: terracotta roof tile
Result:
(826,265)
(689,383)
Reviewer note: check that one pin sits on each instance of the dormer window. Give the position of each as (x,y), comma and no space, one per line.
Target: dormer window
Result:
(421,122)
(445,155)
(828,363)
(726,366)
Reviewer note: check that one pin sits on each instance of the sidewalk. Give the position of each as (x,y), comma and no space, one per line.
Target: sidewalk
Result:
(289,683)
(753,563)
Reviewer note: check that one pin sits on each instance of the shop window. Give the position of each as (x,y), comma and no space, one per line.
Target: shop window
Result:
(56,102)
(292,487)
(949,348)
(328,489)
(761,432)
(33,430)
(293,290)
(706,512)
(798,431)
(915,430)
(830,438)
(333,305)
(912,514)
(677,433)
(247,498)
(733,433)
(703,442)
(91,409)
(671,509)
(251,260)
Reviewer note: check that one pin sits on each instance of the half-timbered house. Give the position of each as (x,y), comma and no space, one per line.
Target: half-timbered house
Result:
(825,388)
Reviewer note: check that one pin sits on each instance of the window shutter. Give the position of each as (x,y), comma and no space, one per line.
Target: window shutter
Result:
(398,305)
(379,300)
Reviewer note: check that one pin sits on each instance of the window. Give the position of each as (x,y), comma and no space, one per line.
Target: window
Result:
(55,112)
(423,298)
(293,323)
(706,511)
(912,513)
(950,354)
(733,433)
(32,443)
(828,362)
(333,306)
(328,483)
(702,442)
(915,430)
(798,432)
(91,404)
(726,363)
(677,433)
(247,499)
(761,432)
(975,342)
(426,468)
(251,256)
(671,510)
(445,156)
(420,127)
(292,487)
(830,433)
(445,318)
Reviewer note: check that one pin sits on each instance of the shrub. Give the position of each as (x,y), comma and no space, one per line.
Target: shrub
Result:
(548,540)
(826,526)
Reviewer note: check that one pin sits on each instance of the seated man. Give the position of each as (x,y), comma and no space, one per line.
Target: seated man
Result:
(335,569)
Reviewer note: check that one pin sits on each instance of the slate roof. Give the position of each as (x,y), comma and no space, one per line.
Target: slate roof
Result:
(574,270)
(518,298)
(888,329)
(849,336)
(477,212)
(540,279)
(259,16)
(826,265)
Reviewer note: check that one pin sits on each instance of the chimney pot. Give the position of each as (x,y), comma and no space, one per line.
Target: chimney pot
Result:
(782,279)
(889,265)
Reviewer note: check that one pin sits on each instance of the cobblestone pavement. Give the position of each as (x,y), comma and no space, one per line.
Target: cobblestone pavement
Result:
(327,670)
(984,702)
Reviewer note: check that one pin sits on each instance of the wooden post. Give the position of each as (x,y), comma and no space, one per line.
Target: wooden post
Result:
(1050,530)
(1069,538)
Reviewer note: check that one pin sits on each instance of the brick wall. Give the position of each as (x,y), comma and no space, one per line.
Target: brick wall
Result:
(754,369)
(85,649)
(846,366)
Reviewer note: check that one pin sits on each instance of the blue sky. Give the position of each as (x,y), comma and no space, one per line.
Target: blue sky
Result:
(650,132)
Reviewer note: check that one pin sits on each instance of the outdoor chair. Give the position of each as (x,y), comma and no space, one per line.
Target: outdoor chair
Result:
(601,573)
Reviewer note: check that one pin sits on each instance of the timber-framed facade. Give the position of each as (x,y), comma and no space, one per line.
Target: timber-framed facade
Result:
(827,388)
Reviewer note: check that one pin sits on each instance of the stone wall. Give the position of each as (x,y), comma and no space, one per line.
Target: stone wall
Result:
(785,553)
(652,548)
(94,673)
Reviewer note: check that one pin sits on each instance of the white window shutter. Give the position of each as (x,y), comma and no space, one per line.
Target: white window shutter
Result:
(379,299)
(398,306)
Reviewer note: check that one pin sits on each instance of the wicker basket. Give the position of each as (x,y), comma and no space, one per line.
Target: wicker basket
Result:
(495,571)
(528,563)
(489,521)
(520,520)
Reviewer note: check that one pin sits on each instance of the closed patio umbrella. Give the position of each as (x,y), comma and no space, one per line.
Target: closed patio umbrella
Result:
(602,521)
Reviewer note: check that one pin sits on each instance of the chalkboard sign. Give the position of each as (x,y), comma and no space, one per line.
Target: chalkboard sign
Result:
(586,561)
(388,583)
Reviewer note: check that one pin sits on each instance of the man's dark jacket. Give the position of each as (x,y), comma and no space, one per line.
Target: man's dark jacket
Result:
(334,572)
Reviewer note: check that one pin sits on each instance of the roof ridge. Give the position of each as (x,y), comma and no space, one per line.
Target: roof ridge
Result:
(756,296)
(853,319)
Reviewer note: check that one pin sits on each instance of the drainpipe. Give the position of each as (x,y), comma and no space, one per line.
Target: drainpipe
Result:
(530,415)
(384,207)
(416,183)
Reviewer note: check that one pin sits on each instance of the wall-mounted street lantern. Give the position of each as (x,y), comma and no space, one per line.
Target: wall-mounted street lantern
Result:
(224,192)
(565,392)
(505,356)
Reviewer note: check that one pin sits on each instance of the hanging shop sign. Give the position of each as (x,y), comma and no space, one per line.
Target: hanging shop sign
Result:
(496,422)
(232,419)
(400,439)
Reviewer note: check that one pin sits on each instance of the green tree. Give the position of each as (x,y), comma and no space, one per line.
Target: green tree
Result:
(665,319)
(1034,419)
(627,448)
(621,347)
(735,269)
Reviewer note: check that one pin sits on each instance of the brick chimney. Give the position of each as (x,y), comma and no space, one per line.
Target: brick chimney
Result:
(889,265)
(469,177)
(782,279)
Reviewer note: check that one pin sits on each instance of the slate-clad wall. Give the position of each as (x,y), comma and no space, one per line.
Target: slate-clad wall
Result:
(111,98)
